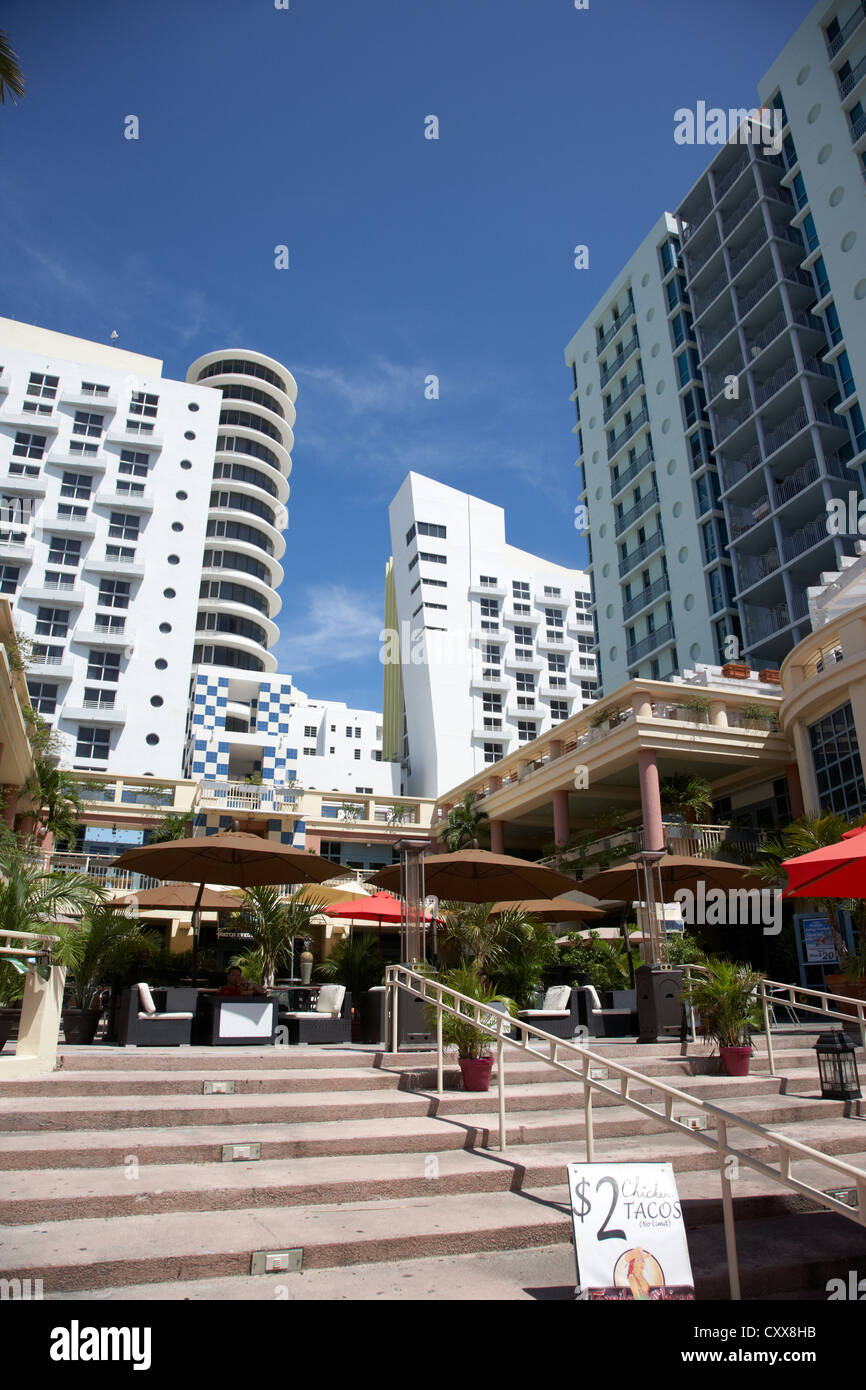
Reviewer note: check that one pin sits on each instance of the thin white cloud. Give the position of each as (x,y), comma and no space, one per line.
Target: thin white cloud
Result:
(332,624)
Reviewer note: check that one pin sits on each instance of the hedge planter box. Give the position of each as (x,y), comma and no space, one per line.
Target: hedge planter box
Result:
(476,1073)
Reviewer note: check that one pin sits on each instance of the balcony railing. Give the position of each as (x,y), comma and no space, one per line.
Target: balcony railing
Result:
(704,298)
(727,423)
(615,328)
(620,440)
(738,213)
(646,596)
(696,260)
(711,340)
(811,534)
(796,422)
(765,389)
(700,214)
(717,380)
(745,253)
(620,399)
(751,569)
(765,622)
(730,176)
(636,557)
(733,470)
(744,518)
(749,298)
(244,796)
(634,513)
(848,28)
(636,466)
(660,638)
(621,358)
(797,483)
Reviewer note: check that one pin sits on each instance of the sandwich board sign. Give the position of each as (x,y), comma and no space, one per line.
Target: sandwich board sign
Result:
(629,1236)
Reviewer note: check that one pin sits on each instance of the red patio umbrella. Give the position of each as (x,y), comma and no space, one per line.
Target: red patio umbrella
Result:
(835,871)
(377,907)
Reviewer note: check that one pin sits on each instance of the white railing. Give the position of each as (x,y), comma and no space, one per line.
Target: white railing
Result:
(37,943)
(615,1081)
(248,796)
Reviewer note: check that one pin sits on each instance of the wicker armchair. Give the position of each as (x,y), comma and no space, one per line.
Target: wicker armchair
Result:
(329,1022)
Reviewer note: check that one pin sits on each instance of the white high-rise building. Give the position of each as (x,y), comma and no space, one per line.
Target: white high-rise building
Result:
(485,646)
(103,467)
(719,381)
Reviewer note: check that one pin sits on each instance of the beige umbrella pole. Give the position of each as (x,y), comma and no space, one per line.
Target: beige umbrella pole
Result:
(196,927)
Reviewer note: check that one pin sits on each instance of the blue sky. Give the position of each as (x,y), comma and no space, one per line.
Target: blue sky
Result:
(408,257)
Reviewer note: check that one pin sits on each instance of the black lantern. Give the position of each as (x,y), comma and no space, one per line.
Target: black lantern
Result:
(837,1067)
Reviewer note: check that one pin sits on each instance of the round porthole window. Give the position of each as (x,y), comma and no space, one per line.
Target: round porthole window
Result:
(156,701)
(186,463)
(169,593)
(152,739)
(160,663)
(181,496)
(193,405)
(189,434)
(174,559)
(177,526)
(165,627)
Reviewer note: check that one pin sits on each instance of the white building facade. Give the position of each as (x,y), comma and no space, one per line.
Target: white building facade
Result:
(485,646)
(104,465)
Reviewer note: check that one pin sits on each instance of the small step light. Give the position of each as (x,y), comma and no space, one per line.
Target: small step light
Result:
(277,1261)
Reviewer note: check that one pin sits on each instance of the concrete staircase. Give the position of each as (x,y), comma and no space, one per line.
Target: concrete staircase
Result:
(113,1184)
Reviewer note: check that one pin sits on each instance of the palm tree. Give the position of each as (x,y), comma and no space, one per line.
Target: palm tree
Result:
(355,962)
(686,796)
(11,77)
(461,832)
(100,948)
(31,899)
(57,800)
(801,837)
(173,826)
(273,923)
(485,942)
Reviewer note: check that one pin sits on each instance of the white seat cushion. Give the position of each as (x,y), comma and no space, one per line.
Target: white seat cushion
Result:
(321,1017)
(595,1002)
(330,1000)
(544,1013)
(146,998)
(158,1018)
(557,997)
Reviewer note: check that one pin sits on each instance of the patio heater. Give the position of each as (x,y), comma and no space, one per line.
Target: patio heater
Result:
(412,1024)
(658,984)
(837,1066)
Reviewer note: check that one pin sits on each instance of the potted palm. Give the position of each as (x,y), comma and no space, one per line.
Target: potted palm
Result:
(95,951)
(272,923)
(726,998)
(471,1042)
(355,962)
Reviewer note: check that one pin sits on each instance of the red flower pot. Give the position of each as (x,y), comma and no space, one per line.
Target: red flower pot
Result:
(735,1060)
(476,1073)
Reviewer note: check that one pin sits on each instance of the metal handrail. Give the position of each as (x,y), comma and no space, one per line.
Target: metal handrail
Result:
(495,1024)
(37,948)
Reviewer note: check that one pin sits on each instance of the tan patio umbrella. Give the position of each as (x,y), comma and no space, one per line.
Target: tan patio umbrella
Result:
(324,893)
(232,857)
(550,910)
(676,871)
(476,876)
(181,897)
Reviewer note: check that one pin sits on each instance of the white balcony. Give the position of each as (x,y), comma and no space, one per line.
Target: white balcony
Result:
(92,712)
(243,796)
(70,595)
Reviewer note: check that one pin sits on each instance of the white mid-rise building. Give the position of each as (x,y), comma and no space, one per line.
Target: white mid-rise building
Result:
(104,465)
(485,646)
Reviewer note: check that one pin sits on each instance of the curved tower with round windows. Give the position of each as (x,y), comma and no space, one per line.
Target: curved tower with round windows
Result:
(247,514)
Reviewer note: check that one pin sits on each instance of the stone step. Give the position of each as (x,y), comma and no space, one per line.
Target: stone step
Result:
(292,1081)
(108,1057)
(40,1196)
(201,1140)
(794,1251)
(50,1112)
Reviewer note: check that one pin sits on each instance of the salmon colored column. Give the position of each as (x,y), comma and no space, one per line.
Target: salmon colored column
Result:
(497,839)
(561,830)
(650,800)
(795,791)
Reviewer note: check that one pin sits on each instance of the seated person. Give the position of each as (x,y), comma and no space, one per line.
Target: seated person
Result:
(236,987)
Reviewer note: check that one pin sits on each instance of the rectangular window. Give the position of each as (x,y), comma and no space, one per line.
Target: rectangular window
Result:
(435,583)
(92,744)
(103,666)
(837,762)
(44,387)
(588,689)
(88,424)
(558,710)
(553,617)
(527,730)
(357,755)
(9,578)
(144,405)
(133,462)
(433,559)
(77,446)
(64,550)
(109,622)
(43,697)
(413,562)
(66,512)
(94,698)
(29,446)
(310,752)
(523,635)
(124,526)
(491,704)
(585,644)
(123,554)
(492,752)
(525,680)
(76,485)
(520,589)
(113,593)
(429,528)
(310,731)
(90,388)
(556,662)
(552,593)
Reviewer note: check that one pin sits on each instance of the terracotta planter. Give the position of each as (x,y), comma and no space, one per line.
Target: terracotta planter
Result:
(735,1060)
(770,677)
(852,989)
(80,1025)
(735,670)
(476,1073)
